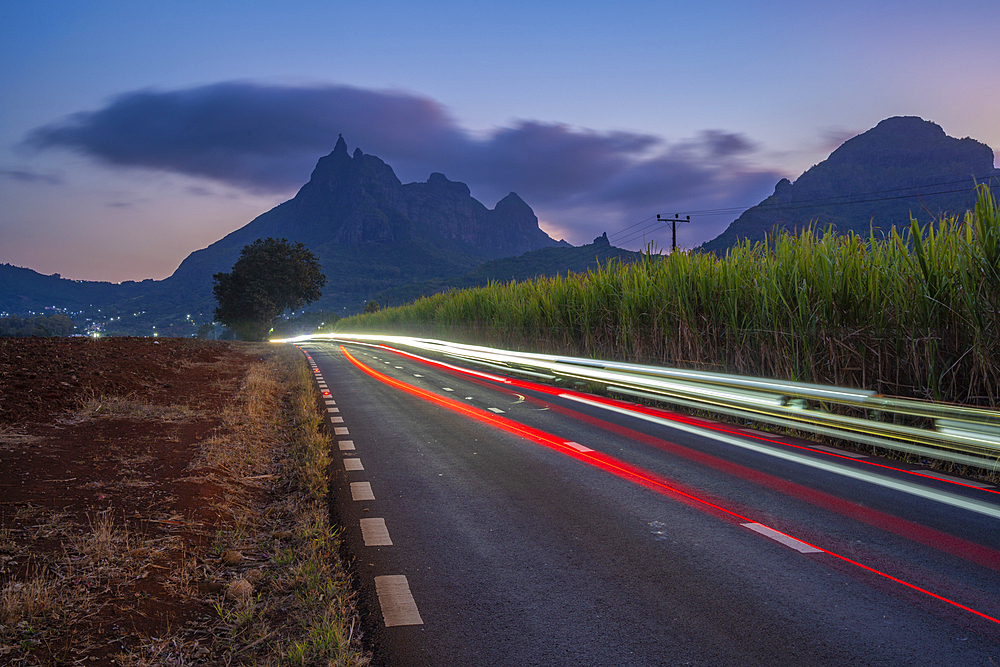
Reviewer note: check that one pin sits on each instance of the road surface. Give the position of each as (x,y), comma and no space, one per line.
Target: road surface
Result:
(507,523)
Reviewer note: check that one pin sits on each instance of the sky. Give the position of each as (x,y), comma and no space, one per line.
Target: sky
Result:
(132,134)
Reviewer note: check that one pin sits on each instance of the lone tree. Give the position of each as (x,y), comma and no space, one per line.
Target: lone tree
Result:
(270,276)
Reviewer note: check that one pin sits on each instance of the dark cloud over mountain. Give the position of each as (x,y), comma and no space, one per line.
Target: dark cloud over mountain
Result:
(267,138)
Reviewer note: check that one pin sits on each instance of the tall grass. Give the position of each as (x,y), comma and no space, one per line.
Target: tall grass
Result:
(914,314)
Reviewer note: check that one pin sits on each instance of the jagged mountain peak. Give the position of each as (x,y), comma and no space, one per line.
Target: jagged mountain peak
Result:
(438,182)
(370,231)
(341,146)
(514,203)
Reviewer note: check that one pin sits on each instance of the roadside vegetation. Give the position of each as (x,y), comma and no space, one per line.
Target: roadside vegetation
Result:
(912,315)
(299,609)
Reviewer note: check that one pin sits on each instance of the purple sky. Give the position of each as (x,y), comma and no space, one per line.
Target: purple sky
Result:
(138,135)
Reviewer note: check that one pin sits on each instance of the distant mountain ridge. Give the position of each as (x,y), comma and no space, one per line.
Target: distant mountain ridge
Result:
(369,231)
(550,261)
(23,290)
(903,166)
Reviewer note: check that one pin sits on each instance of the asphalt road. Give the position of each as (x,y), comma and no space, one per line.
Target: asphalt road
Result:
(500,524)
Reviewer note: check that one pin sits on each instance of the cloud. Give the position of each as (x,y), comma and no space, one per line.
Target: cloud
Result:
(267,138)
(726,144)
(29,176)
(259,137)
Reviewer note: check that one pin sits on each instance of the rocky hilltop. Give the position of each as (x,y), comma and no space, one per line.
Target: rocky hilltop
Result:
(903,166)
(371,232)
(448,208)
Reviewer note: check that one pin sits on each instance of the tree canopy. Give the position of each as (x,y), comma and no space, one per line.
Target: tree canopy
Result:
(42,325)
(271,276)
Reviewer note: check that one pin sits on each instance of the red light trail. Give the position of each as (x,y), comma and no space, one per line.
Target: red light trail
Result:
(612,465)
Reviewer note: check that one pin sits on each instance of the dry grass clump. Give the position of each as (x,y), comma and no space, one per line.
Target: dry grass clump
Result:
(22,602)
(106,545)
(12,436)
(129,406)
(251,428)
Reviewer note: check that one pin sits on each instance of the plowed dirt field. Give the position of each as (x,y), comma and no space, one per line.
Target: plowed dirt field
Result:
(108,521)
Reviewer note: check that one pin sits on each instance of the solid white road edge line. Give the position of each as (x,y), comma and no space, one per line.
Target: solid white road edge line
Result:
(841,452)
(941,475)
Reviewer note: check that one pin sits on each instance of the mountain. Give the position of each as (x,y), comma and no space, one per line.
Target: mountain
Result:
(903,166)
(369,231)
(24,290)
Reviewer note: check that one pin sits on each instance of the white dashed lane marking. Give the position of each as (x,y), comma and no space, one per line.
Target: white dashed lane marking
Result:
(396,601)
(362,491)
(496,410)
(798,545)
(417,375)
(394,596)
(447,388)
(577,446)
(374,533)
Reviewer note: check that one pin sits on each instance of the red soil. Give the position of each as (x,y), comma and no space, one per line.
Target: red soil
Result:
(61,475)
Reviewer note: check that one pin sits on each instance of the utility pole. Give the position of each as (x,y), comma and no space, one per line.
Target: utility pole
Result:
(673,225)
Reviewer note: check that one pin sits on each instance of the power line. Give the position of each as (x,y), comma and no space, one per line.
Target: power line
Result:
(807,203)
(651,225)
